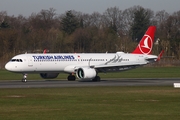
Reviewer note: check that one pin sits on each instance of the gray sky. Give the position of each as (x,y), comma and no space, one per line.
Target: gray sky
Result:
(26,7)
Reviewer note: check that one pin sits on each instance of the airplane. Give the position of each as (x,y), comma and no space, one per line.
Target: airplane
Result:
(84,65)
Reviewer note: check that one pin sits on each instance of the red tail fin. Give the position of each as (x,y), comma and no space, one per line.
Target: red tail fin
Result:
(146,43)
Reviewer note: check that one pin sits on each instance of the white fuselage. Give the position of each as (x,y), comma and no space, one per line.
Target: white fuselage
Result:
(68,63)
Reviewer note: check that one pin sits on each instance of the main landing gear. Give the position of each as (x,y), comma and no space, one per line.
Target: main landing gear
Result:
(71,77)
(24,79)
(96,79)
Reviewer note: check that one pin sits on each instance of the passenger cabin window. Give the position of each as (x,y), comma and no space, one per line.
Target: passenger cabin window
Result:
(16,60)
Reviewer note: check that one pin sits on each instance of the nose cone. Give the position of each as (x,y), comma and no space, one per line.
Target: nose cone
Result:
(8,67)
(11,67)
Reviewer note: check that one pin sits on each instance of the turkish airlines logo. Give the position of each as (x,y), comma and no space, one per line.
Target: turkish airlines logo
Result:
(146,44)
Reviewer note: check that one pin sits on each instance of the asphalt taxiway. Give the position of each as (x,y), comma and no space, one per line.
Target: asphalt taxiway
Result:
(104,82)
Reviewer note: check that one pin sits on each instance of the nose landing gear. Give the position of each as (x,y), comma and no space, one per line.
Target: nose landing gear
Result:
(24,78)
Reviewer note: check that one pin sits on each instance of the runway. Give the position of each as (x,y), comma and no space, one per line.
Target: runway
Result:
(104,82)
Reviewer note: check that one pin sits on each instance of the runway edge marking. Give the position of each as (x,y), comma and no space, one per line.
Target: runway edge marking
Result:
(176,85)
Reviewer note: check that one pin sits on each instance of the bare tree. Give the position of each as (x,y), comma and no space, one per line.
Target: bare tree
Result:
(112,17)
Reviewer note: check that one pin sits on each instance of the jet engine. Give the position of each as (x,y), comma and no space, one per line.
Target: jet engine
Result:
(86,73)
(49,75)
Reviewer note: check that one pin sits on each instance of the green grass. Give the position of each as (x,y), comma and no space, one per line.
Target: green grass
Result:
(147,72)
(142,72)
(90,103)
(93,103)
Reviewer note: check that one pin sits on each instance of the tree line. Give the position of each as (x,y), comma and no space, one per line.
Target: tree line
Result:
(73,32)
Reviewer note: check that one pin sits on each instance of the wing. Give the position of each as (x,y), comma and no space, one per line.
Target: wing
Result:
(115,68)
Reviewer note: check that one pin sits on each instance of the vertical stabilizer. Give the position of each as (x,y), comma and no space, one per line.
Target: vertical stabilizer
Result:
(146,43)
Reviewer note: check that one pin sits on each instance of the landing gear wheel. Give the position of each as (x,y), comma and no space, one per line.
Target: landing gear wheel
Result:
(24,78)
(71,78)
(96,79)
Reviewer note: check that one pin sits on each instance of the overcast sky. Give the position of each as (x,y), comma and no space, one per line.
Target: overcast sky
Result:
(26,7)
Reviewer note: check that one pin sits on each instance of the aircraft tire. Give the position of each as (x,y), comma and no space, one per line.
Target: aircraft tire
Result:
(96,79)
(24,80)
(71,78)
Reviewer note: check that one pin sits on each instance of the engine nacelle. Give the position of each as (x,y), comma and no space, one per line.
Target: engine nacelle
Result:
(49,75)
(86,73)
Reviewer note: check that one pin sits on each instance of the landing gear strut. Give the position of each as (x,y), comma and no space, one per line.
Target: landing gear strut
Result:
(24,78)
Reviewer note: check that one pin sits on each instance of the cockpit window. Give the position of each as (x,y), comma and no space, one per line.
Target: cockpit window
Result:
(16,60)
(13,60)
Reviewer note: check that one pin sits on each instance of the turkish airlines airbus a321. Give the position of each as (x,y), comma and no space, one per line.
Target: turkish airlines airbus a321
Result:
(84,65)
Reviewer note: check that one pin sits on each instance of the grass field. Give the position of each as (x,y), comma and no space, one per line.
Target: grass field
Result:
(90,103)
(142,72)
(93,103)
